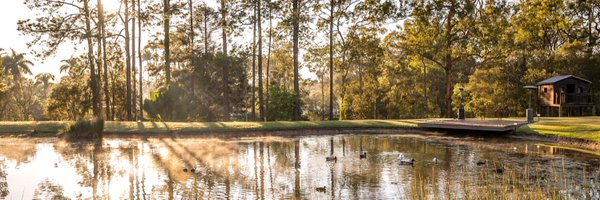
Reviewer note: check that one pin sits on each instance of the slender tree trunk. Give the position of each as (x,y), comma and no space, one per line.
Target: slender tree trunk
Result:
(254,65)
(226,110)
(591,36)
(104,59)
(343,87)
(425,89)
(99,67)
(127,62)
(224,25)
(206,30)
(448,68)
(139,11)
(100,58)
(133,70)
(114,96)
(167,50)
(191,48)
(167,42)
(322,111)
(261,103)
(268,74)
(331,60)
(90,55)
(296,19)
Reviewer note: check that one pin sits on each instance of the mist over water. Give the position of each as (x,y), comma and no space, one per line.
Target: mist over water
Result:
(445,167)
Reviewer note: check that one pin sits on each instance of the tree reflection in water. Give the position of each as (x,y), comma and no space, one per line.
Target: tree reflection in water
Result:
(292,168)
(3,182)
(47,189)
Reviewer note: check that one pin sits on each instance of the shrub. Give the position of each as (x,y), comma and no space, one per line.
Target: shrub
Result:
(281,103)
(84,129)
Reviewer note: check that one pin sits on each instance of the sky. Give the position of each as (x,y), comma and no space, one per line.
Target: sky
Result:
(13,10)
(10,12)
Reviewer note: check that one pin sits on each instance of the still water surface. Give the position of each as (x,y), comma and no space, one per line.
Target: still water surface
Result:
(445,167)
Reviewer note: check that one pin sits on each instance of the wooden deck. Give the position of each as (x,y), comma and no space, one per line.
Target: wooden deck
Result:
(473,125)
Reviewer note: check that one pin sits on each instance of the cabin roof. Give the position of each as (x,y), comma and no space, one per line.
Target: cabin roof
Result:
(560,78)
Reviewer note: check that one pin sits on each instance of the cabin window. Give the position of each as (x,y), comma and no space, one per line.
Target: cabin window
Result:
(580,90)
(570,88)
(545,90)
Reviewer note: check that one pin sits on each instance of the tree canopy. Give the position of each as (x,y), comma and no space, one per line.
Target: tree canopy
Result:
(244,60)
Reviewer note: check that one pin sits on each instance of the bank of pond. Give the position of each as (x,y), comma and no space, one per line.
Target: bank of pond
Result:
(367,166)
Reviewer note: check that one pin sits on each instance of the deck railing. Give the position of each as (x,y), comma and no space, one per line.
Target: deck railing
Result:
(578,99)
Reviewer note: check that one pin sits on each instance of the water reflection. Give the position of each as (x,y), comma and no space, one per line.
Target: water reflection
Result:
(294,168)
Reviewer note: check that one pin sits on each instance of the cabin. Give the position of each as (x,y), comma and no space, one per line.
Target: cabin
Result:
(565,96)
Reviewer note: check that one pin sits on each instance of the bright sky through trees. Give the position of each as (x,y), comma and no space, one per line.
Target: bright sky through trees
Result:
(14,10)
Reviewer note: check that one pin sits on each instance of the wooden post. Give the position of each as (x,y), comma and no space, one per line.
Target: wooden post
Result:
(560,107)
(560,111)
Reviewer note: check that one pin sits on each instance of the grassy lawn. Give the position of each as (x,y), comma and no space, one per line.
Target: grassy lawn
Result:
(191,127)
(587,128)
(17,128)
(8,128)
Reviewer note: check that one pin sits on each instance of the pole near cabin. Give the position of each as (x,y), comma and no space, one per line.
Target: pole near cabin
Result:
(461,107)
(530,112)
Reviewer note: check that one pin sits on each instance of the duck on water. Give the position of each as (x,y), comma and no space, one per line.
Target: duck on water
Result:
(406,161)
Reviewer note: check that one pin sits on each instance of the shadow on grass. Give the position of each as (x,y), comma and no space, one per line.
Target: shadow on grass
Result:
(140,126)
(156,128)
(526,129)
(195,127)
(165,125)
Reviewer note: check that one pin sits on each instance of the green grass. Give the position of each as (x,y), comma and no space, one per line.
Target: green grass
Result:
(586,128)
(194,127)
(120,127)
(13,128)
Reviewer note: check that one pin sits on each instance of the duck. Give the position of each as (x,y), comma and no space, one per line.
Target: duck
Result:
(191,169)
(363,155)
(321,189)
(406,161)
(331,158)
(481,162)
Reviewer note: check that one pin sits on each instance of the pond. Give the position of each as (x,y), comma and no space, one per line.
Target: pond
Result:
(445,167)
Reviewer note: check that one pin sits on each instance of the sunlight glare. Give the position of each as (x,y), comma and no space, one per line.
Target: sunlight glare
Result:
(111,5)
(164,152)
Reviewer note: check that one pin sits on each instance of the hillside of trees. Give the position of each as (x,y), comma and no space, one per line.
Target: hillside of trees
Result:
(241,60)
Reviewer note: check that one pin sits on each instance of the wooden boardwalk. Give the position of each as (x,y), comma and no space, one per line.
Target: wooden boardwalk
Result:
(473,125)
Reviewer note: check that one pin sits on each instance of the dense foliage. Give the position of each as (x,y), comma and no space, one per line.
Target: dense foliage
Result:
(84,130)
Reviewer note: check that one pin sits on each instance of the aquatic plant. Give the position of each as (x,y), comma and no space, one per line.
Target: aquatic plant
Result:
(84,129)
(532,181)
